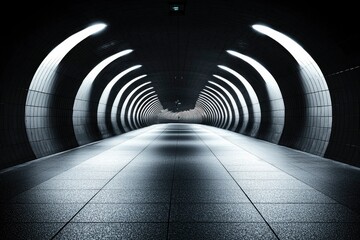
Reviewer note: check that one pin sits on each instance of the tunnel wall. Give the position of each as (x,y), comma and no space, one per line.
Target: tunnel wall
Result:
(53,127)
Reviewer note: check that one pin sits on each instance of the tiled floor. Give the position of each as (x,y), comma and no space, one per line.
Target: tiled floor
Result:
(179,181)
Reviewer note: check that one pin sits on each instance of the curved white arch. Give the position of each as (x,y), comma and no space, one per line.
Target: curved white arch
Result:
(220,108)
(233,103)
(207,113)
(146,108)
(116,102)
(152,108)
(208,97)
(41,88)
(131,107)
(253,99)
(101,110)
(215,115)
(227,119)
(316,92)
(275,97)
(241,100)
(82,101)
(44,76)
(124,105)
(141,107)
(226,103)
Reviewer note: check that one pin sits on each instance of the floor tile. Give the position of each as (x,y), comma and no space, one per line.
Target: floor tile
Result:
(215,231)
(214,213)
(123,213)
(133,231)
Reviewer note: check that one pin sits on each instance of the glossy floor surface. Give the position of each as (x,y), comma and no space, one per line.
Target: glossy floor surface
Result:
(180,181)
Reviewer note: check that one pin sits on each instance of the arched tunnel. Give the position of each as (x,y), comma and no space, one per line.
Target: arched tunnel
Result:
(180,119)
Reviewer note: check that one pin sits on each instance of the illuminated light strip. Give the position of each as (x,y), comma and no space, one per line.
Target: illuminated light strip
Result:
(233,103)
(126,102)
(208,115)
(43,81)
(130,111)
(300,55)
(241,100)
(213,109)
(221,115)
(217,110)
(159,110)
(101,111)
(85,89)
(314,83)
(143,101)
(45,74)
(152,111)
(127,99)
(144,106)
(227,119)
(276,100)
(214,114)
(124,105)
(81,107)
(209,112)
(271,84)
(253,99)
(227,105)
(147,109)
(115,105)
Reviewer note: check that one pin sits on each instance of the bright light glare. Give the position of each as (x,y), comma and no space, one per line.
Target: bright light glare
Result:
(98,27)
(44,76)
(44,81)
(313,82)
(306,62)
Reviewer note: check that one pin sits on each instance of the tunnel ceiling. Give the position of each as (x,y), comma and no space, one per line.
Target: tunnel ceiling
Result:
(178,51)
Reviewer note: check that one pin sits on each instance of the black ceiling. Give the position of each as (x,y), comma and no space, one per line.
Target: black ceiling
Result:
(180,52)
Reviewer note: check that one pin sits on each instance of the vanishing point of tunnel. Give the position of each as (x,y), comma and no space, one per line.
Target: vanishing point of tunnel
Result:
(179,119)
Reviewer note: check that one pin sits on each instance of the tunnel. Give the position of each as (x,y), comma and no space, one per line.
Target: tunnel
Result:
(180,119)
